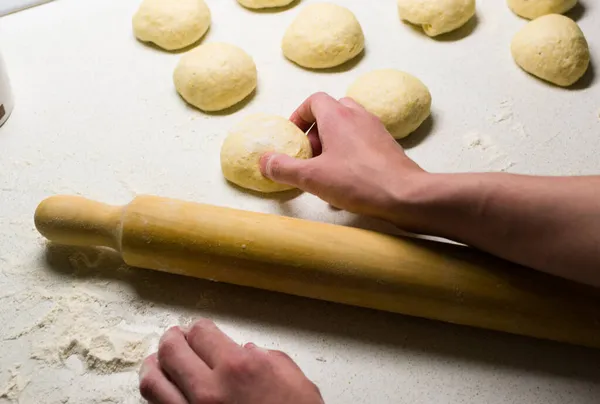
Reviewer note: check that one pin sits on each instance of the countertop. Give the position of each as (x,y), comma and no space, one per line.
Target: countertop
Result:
(96,114)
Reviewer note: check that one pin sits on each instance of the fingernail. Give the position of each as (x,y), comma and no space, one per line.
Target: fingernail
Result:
(267,159)
(143,371)
(251,345)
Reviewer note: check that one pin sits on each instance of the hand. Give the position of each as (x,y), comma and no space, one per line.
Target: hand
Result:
(202,365)
(357,164)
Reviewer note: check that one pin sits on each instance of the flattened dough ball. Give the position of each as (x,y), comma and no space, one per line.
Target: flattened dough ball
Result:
(553,48)
(264,3)
(536,8)
(401,101)
(171,24)
(323,35)
(254,136)
(215,76)
(437,16)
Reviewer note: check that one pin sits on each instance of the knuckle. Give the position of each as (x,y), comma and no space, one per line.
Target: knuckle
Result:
(320,95)
(167,347)
(344,113)
(280,355)
(201,326)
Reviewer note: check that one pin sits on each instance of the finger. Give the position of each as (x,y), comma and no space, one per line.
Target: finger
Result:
(284,169)
(315,140)
(154,385)
(312,109)
(179,361)
(350,103)
(210,343)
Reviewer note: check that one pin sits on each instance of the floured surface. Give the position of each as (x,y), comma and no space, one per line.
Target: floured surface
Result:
(97,115)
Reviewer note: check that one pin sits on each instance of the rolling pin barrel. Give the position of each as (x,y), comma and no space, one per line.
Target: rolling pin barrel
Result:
(334,263)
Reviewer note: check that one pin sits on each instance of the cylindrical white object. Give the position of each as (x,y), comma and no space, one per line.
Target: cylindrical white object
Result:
(6,96)
(11,6)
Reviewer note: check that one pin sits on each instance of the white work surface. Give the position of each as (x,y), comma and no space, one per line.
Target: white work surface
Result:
(97,114)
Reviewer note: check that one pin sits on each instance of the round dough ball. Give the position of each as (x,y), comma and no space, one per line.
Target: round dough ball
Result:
(171,24)
(401,101)
(437,16)
(254,136)
(215,76)
(323,35)
(553,48)
(536,8)
(264,3)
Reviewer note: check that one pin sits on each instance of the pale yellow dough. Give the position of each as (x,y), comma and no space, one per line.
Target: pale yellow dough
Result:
(264,3)
(553,48)
(323,35)
(437,16)
(536,8)
(401,101)
(215,76)
(171,24)
(251,138)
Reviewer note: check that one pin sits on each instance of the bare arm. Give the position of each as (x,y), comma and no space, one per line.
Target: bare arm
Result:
(548,223)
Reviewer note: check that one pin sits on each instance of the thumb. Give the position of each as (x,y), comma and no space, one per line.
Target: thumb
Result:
(282,168)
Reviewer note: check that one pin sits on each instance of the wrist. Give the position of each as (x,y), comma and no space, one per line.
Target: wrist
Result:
(436,204)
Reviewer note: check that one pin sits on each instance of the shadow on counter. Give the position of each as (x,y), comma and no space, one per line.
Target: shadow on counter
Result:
(189,297)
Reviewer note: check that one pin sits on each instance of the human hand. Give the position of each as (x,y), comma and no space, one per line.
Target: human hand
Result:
(357,165)
(202,365)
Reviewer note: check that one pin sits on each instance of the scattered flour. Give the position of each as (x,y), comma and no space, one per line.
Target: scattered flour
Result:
(504,113)
(77,326)
(475,140)
(481,153)
(14,386)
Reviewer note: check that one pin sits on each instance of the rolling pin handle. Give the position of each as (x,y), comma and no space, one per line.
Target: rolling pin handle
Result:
(78,221)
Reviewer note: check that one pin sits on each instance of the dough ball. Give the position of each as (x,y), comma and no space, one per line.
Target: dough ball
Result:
(215,76)
(401,101)
(264,3)
(536,8)
(437,16)
(553,48)
(171,24)
(250,139)
(323,35)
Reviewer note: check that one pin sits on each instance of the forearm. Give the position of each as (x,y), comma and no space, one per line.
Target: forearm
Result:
(548,223)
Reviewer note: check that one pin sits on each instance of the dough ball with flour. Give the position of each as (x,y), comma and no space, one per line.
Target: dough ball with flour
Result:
(323,35)
(264,3)
(536,8)
(254,136)
(437,16)
(553,48)
(215,76)
(401,101)
(171,24)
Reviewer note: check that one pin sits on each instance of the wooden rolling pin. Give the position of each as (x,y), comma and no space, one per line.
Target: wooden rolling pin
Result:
(335,263)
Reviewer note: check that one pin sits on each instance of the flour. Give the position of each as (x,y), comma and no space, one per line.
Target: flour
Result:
(105,353)
(77,326)
(481,153)
(475,140)
(504,113)
(14,386)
